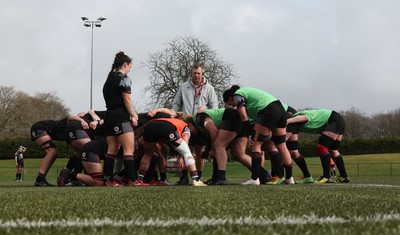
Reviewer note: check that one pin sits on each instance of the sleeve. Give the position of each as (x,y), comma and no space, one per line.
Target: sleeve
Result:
(239,100)
(125,84)
(186,130)
(213,99)
(177,103)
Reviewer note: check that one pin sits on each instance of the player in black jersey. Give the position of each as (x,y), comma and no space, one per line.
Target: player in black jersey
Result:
(120,117)
(19,162)
(91,155)
(78,134)
(43,133)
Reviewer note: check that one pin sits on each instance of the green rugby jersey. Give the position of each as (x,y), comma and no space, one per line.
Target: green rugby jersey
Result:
(317,119)
(215,115)
(256,100)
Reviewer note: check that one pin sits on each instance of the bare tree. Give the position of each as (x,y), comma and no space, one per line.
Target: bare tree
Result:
(356,123)
(386,124)
(7,108)
(18,111)
(172,66)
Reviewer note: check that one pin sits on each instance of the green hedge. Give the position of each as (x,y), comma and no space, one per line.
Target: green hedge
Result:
(8,147)
(356,146)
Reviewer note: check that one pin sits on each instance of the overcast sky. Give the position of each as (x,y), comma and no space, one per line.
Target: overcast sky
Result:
(331,54)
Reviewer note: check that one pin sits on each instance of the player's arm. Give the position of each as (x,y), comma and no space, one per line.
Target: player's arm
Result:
(126,96)
(240,103)
(210,126)
(94,116)
(79,119)
(186,136)
(297,119)
(153,112)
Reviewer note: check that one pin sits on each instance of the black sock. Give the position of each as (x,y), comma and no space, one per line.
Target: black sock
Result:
(326,167)
(152,169)
(155,175)
(71,162)
(340,165)
(109,161)
(288,170)
(263,175)
(78,166)
(200,173)
(16,176)
(221,175)
(215,169)
(276,164)
(163,176)
(129,166)
(40,177)
(301,163)
(184,174)
(255,164)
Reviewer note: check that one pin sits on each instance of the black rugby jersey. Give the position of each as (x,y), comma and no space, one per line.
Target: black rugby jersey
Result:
(115,85)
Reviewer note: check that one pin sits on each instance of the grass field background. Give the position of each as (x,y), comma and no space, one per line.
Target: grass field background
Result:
(357,166)
(369,204)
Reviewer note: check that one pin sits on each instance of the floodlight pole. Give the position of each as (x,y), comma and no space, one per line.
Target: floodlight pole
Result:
(92,23)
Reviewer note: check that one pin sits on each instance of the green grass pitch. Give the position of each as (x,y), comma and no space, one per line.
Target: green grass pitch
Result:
(369,204)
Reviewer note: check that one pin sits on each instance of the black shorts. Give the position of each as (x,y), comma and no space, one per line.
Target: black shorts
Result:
(117,122)
(74,131)
(293,128)
(20,163)
(231,121)
(156,131)
(54,129)
(93,152)
(335,124)
(198,139)
(38,130)
(273,116)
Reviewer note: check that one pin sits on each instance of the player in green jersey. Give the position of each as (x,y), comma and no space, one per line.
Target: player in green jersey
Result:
(223,128)
(269,117)
(331,126)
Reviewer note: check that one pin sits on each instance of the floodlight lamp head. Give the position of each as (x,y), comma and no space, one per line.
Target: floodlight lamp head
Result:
(84,18)
(101,18)
(87,24)
(98,24)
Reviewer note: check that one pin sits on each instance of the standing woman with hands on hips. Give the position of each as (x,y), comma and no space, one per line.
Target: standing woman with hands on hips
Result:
(120,117)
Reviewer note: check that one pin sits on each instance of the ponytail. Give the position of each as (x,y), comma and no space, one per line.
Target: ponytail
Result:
(120,59)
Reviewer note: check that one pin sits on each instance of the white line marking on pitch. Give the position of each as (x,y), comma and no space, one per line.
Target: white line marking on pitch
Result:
(205,221)
(362,185)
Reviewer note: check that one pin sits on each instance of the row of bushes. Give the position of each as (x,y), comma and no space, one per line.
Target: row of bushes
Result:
(355,146)
(8,147)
